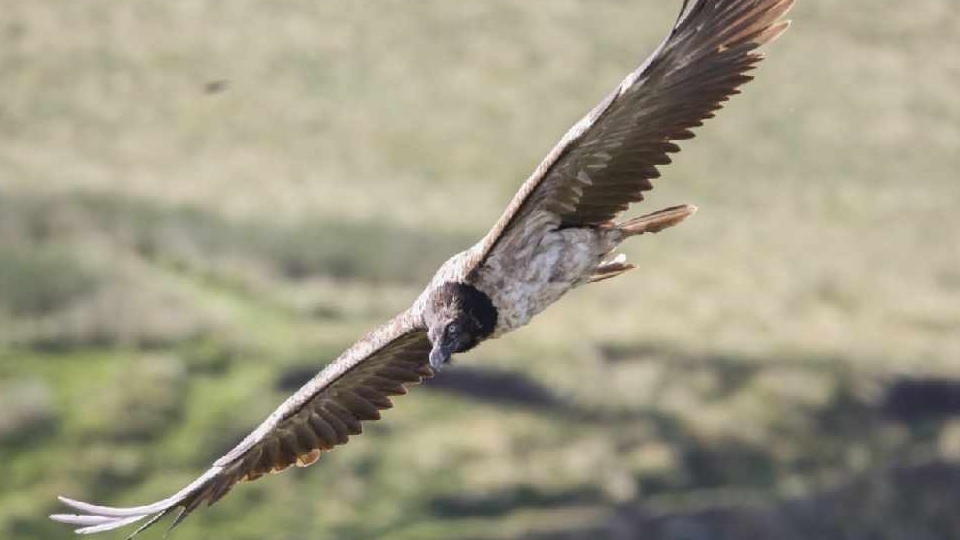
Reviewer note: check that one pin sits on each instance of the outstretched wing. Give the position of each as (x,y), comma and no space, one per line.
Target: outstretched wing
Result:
(319,416)
(606,160)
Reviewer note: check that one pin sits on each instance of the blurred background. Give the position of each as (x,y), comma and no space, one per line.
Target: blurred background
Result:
(202,203)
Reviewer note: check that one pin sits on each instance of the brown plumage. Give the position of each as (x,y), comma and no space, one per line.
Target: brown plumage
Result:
(606,160)
(554,235)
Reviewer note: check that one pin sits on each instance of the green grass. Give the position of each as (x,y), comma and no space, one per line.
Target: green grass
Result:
(169,255)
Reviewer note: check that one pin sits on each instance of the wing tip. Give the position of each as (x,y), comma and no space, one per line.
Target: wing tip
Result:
(92,523)
(95,518)
(78,519)
(773,32)
(106,511)
(777,27)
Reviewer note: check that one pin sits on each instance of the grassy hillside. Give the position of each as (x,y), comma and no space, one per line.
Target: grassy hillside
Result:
(203,203)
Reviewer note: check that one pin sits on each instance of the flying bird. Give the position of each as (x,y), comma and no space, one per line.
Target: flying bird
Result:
(558,232)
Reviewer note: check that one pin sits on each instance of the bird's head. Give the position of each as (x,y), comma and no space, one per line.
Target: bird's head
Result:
(458,317)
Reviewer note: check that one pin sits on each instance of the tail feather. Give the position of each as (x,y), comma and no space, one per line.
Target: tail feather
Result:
(612,268)
(657,221)
(649,223)
(602,274)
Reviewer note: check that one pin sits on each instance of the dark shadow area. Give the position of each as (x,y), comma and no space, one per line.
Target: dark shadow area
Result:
(509,500)
(676,355)
(495,386)
(910,400)
(291,379)
(826,408)
(489,386)
(910,502)
(200,240)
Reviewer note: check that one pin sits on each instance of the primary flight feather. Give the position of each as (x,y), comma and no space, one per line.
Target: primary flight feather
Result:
(557,233)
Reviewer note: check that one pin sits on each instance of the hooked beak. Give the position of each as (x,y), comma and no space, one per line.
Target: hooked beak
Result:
(439,356)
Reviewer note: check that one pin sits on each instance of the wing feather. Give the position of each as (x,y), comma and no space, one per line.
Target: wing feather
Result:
(318,417)
(606,160)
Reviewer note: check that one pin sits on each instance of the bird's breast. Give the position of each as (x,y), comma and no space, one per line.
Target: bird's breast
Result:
(525,277)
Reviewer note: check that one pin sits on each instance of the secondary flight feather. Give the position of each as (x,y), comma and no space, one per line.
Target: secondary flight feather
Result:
(557,233)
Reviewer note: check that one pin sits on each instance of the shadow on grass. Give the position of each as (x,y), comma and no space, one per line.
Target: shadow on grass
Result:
(916,501)
(886,502)
(491,386)
(915,399)
(204,240)
(509,500)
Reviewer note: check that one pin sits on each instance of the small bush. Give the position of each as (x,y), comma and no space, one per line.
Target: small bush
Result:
(26,410)
(38,280)
(139,401)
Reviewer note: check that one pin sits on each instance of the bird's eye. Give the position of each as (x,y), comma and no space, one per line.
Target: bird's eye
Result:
(453,328)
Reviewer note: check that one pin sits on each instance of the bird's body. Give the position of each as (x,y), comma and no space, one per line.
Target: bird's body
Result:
(536,274)
(533,275)
(557,233)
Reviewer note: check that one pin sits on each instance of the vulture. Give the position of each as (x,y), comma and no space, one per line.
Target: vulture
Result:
(558,232)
